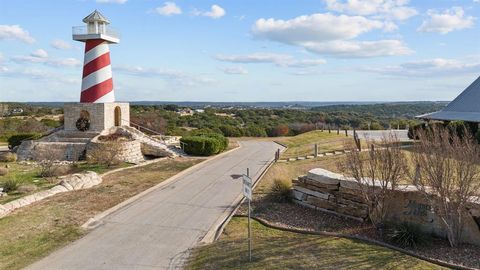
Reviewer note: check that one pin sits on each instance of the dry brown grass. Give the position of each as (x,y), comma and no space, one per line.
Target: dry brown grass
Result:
(33,232)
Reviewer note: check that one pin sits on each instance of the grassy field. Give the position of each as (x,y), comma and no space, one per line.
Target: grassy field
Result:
(303,144)
(275,249)
(33,232)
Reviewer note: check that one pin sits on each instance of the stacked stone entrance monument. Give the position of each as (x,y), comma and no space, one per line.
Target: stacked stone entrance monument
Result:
(97,114)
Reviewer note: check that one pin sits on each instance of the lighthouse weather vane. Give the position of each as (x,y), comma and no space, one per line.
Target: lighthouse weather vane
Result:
(97,82)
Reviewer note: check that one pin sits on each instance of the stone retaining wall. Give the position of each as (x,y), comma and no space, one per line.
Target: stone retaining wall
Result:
(323,190)
(68,183)
(38,150)
(129,151)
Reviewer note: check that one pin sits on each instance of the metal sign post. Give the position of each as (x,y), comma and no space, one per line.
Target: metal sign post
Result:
(247,192)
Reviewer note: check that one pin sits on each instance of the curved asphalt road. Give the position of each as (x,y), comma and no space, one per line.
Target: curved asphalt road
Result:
(157,230)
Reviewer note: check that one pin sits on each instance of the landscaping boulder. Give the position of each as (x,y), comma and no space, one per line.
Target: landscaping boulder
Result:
(324,176)
(80,181)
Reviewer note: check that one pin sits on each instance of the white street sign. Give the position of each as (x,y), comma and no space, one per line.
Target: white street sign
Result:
(247,191)
(247,181)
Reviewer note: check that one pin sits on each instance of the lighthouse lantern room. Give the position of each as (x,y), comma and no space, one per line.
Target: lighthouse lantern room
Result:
(97,110)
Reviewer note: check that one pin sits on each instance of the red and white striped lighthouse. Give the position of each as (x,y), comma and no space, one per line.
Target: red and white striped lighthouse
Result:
(97,82)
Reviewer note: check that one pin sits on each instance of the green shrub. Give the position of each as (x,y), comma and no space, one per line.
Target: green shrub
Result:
(405,235)
(231,131)
(204,144)
(17,139)
(8,157)
(281,190)
(10,185)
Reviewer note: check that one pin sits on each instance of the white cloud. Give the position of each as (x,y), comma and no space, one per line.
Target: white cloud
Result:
(316,27)
(215,12)
(387,9)
(171,75)
(37,74)
(235,70)
(15,32)
(169,9)
(60,44)
(430,67)
(111,1)
(40,53)
(447,21)
(325,33)
(343,48)
(281,60)
(41,56)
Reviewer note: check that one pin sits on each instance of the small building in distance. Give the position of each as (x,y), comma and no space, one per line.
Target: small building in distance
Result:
(16,111)
(465,107)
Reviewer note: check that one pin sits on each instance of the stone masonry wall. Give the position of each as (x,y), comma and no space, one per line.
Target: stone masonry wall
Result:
(326,191)
(102,115)
(72,113)
(129,151)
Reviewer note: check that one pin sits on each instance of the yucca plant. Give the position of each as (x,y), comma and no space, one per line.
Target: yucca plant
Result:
(10,185)
(406,234)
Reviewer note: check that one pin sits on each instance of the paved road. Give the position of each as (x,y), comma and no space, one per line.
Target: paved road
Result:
(156,231)
(378,135)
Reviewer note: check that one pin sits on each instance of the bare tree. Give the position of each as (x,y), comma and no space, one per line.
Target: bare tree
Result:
(446,170)
(105,153)
(46,162)
(378,173)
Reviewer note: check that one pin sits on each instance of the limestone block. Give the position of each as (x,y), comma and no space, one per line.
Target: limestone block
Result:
(58,189)
(297,195)
(311,192)
(352,211)
(352,204)
(324,176)
(351,197)
(321,186)
(321,203)
(80,181)
(350,184)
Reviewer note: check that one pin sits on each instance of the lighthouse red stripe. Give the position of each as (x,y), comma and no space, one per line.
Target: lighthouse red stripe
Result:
(92,43)
(99,62)
(97,91)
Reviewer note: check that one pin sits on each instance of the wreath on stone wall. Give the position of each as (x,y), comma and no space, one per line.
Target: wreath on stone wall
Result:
(83,124)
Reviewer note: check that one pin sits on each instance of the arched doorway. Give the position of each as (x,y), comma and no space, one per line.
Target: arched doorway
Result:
(118,116)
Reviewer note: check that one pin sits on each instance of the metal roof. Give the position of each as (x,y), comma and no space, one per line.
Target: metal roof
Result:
(465,107)
(95,16)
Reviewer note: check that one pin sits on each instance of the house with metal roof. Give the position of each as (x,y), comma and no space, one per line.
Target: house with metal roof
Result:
(465,107)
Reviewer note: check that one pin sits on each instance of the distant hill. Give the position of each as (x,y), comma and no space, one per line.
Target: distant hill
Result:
(386,110)
(329,105)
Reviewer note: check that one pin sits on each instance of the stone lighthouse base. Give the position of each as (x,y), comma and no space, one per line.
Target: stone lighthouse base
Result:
(84,123)
(99,116)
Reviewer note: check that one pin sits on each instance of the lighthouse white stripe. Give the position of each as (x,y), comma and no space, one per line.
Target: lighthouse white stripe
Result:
(95,52)
(97,77)
(110,97)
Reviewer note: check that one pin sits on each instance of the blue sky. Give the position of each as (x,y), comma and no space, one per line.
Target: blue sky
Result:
(262,50)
